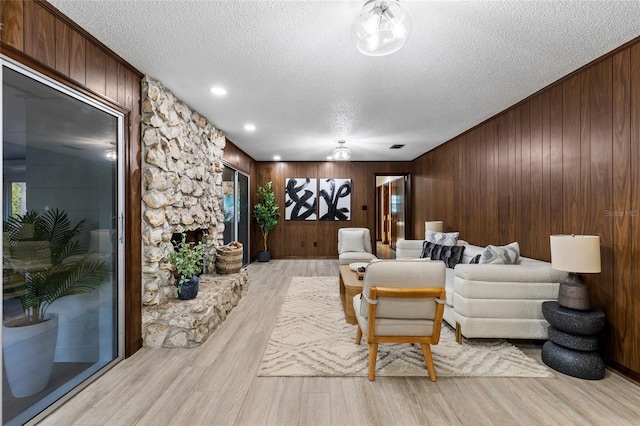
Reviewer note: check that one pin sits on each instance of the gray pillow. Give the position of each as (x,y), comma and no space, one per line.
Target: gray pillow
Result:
(508,255)
(442,238)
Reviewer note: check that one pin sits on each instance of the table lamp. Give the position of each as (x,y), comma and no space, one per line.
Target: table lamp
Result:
(576,254)
(434,225)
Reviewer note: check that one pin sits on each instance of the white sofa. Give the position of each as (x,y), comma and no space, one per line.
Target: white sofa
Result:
(494,301)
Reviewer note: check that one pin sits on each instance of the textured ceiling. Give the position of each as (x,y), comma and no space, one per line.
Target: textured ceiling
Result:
(291,69)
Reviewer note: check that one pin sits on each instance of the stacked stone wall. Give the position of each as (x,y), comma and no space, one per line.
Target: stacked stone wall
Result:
(182,185)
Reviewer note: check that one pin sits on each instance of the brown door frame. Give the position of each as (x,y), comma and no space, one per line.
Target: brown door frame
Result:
(408,227)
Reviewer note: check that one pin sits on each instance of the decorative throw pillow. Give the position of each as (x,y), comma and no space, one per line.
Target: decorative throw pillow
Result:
(352,241)
(427,247)
(508,255)
(450,255)
(442,238)
(475,259)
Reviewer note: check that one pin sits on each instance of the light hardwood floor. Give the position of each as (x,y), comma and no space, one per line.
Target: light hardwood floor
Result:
(217,383)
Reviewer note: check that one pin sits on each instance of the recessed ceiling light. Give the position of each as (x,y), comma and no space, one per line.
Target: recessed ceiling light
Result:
(277,158)
(218,91)
(249,127)
(329,157)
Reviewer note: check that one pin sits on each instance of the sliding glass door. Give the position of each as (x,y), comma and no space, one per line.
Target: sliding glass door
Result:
(236,209)
(61,250)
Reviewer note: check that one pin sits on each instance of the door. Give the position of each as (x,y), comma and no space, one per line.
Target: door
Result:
(235,186)
(62,217)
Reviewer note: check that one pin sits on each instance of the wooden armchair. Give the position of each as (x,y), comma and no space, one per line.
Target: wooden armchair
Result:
(402,301)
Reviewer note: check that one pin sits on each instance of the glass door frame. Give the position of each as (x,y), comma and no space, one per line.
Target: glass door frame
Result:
(119,210)
(235,222)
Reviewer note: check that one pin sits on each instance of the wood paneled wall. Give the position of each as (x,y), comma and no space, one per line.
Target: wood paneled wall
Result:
(37,35)
(563,161)
(287,238)
(238,159)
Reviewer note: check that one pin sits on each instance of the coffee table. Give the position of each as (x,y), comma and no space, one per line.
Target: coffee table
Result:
(350,285)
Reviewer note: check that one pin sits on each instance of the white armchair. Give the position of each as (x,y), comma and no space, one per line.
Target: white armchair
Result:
(402,301)
(354,245)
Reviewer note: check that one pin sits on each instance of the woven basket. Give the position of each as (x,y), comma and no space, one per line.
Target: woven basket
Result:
(229,259)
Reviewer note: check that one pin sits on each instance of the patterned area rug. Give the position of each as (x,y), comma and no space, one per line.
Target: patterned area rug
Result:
(312,338)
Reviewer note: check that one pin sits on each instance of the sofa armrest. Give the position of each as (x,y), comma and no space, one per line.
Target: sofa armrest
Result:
(510,273)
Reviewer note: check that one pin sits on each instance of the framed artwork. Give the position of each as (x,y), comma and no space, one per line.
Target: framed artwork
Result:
(301,199)
(335,199)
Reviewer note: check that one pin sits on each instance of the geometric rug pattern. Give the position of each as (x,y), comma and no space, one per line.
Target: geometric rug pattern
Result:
(312,338)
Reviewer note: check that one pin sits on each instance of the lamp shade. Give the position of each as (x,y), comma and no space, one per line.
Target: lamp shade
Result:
(575,253)
(434,225)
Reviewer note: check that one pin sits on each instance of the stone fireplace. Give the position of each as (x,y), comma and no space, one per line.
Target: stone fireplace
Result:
(182,192)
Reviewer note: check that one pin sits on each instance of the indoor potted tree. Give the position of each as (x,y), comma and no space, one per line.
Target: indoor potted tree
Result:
(186,259)
(266,213)
(45,264)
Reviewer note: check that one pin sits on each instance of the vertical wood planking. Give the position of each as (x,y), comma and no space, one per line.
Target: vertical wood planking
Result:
(12,19)
(545,224)
(39,34)
(518,230)
(525,188)
(536,179)
(631,358)
(555,159)
(111,78)
(571,210)
(63,42)
(95,71)
(77,64)
(620,318)
(601,178)
(502,188)
(492,201)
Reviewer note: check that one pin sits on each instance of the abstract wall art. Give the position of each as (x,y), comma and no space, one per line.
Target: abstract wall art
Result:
(335,199)
(301,202)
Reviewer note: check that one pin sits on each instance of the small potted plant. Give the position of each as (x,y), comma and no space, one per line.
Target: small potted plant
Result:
(266,213)
(186,259)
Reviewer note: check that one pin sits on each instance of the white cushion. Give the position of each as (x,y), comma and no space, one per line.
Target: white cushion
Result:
(356,256)
(392,326)
(352,241)
(507,255)
(442,238)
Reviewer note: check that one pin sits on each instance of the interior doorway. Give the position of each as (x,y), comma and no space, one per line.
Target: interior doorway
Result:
(392,211)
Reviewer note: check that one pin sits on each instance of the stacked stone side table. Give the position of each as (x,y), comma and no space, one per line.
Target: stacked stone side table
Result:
(573,345)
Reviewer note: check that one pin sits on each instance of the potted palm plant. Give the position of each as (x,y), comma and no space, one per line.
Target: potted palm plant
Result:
(186,259)
(266,213)
(45,264)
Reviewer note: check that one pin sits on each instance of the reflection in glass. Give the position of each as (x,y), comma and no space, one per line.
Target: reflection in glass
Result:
(59,252)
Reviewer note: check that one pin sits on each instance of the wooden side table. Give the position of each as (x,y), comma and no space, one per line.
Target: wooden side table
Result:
(572,348)
(350,285)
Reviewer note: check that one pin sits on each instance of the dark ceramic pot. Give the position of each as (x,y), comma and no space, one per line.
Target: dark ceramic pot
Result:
(189,290)
(264,256)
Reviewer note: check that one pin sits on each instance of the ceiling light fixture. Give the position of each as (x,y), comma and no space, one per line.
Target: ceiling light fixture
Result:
(250,127)
(341,152)
(277,158)
(382,28)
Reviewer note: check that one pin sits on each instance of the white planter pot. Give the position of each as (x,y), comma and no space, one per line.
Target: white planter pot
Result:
(28,355)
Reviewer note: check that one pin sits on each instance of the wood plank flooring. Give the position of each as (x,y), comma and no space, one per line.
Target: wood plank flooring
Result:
(217,383)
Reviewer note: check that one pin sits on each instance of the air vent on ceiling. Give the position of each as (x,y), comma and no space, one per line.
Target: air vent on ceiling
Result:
(396,146)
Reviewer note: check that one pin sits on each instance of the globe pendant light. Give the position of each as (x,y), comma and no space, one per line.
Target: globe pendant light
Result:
(382,28)
(341,152)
